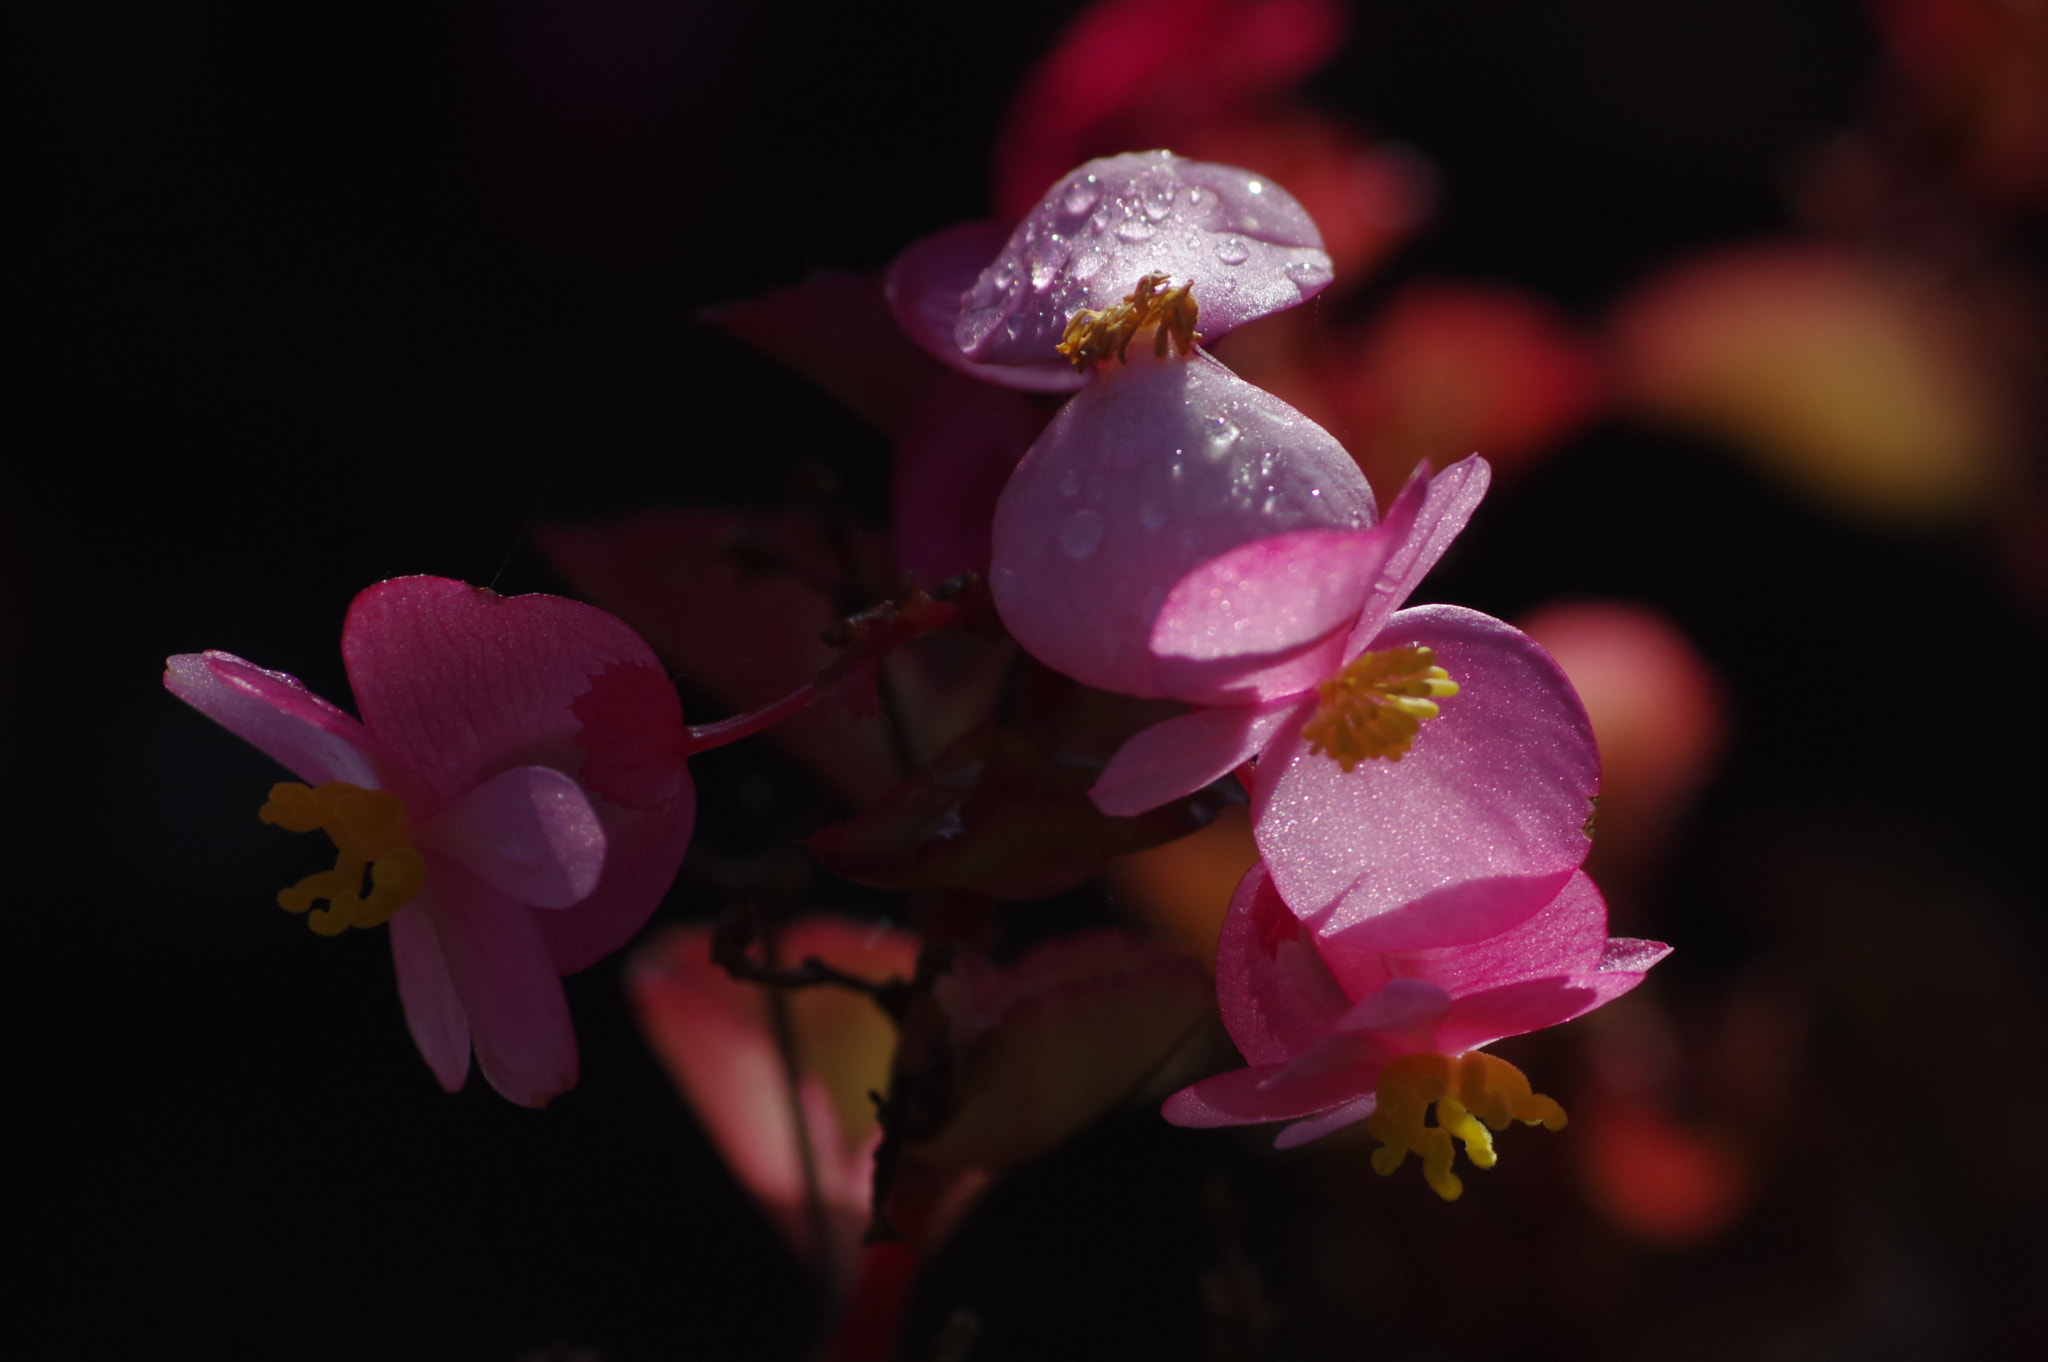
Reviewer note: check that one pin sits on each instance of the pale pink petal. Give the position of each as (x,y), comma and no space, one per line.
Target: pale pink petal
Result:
(956,451)
(1315,1127)
(924,287)
(1447,502)
(1515,1009)
(275,714)
(1149,472)
(1563,939)
(632,739)
(1475,829)
(1276,994)
(1181,755)
(1627,955)
(1246,245)
(518,1016)
(1400,1019)
(433,1012)
(643,851)
(1246,1097)
(528,832)
(464,683)
(1268,618)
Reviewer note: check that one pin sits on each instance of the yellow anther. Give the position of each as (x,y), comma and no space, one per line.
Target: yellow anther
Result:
(1375,705)
(1092,338)
(373,843)
(1471,1093)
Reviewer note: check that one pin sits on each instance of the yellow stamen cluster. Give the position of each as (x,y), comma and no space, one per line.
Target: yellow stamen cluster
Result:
(1375,705)
(1471,1092)
(1092,338)
(369,833)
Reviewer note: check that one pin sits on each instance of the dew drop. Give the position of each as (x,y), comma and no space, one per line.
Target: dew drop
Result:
(1306,274)
(1070,485)
(1086,265)
(1255,187)
(1081,535)
(1159,204)
(1134,230)
(1082,195)
(1231,250)
(1099,221)
(1152,515)
(1043,272)
(1221,437)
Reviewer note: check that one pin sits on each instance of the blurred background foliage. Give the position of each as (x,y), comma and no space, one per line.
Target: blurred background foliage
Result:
(1746,297)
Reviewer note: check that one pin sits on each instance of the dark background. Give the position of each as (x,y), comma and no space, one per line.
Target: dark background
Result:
(306,296)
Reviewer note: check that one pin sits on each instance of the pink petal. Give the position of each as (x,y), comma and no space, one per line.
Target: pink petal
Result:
(1447,502)
(528,832)
(1626,955)
(956,451)
(643,851)
(1400,1019)
(1315,1127)
(924,286)
(1517,1009)
(1246,245)
(1243,1097)
(276,714)
(1563,939)
(464,683)
(1277,996)
(433,1012)
(634,775)
(1150,471)
(1476,828)
(518,1017)
(1181,755)
(1263,619)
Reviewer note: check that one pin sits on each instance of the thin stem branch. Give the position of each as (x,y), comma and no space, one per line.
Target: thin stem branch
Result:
(718,734)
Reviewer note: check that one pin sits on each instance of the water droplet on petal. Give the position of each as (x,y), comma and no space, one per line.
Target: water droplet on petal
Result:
(1070,485)
(1152,515)
(1221,437)
(1081,535)
(1306,274)
(1099,222)
(1134,230)
(1254,187)
(1082,195)
(1231,250)
(1043,272)
(1086,265)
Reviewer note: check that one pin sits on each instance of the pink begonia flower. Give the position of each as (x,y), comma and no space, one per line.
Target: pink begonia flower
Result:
(1453,826)
(1337,1035)
(515,790)
(1153,469)
(1244,244)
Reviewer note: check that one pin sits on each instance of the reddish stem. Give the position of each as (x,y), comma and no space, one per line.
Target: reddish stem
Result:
(752,722)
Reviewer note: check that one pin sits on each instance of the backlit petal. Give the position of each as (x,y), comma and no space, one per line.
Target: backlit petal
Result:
(1475,829)
(275,714)
(1183,754)
(529,832)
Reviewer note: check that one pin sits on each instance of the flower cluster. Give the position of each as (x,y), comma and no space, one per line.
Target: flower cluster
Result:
(1206,593)
(1422,780)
